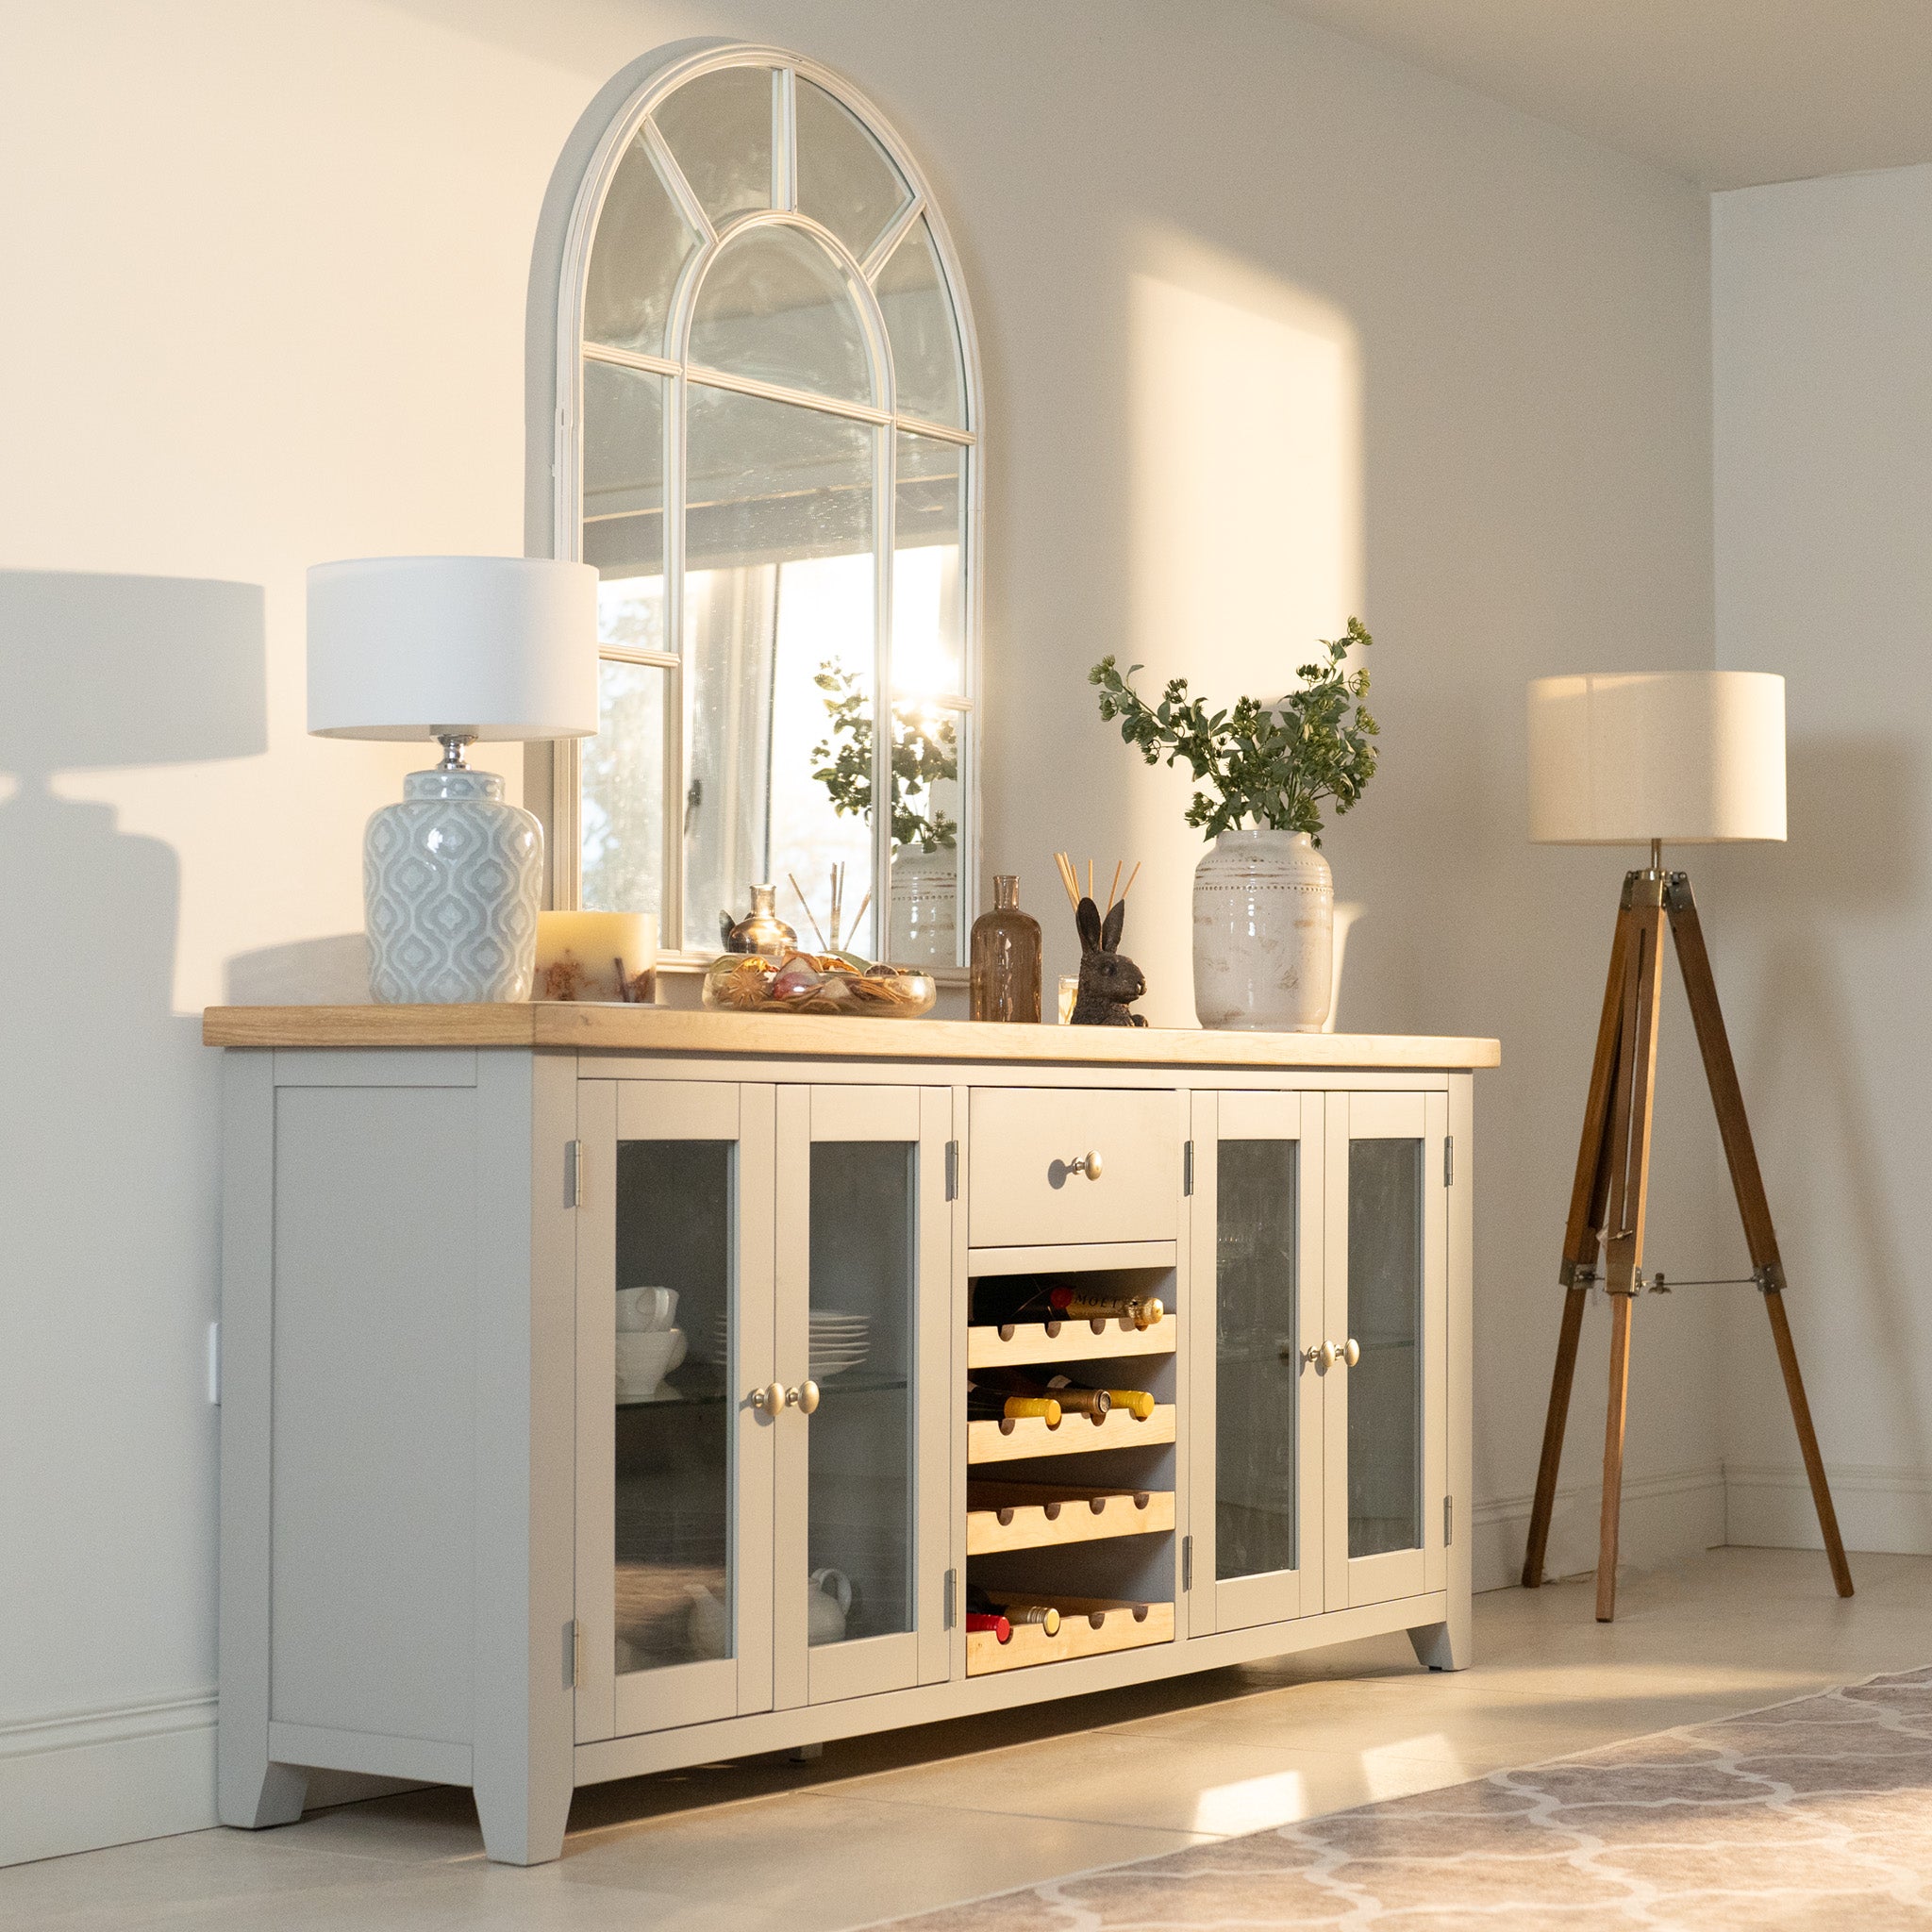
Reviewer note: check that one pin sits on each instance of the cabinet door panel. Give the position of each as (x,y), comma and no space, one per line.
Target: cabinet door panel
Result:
(1256,1516)
(1386,1292)
(675,1466)
(863,1302)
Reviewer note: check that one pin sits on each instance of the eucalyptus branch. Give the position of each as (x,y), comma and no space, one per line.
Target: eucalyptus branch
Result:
(1275,764)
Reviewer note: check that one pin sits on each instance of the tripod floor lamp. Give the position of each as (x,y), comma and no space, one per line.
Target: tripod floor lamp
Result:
(1678,758)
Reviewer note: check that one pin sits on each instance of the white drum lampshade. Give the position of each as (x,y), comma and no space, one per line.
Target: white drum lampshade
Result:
(457,648)
(1689,758)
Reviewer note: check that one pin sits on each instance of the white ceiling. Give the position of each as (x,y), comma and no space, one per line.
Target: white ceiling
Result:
(1726,92)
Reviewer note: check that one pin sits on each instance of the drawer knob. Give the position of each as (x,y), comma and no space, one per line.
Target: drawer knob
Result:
(1324,1357)
(1089,1163)
(805,1398)
(768,1401)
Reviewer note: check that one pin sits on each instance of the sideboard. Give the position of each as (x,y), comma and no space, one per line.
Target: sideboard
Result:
(458,1545)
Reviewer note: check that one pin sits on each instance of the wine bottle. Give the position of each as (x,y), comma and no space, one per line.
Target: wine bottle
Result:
(1001,1298)
(995,1406)
(1143,1311)
(977,1620)
(1072,1397)
(1045,1615)
(1136,1402)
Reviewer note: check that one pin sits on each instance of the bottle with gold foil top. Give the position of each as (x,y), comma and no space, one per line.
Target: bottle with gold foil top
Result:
(1006,959)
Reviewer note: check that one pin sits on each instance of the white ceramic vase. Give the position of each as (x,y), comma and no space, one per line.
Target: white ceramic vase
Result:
(1264,917)
(924,929)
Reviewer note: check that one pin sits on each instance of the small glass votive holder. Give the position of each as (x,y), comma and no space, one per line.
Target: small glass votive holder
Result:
(1068,991)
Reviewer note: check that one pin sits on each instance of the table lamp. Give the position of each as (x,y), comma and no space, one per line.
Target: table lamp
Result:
(1689,758)
(455,648)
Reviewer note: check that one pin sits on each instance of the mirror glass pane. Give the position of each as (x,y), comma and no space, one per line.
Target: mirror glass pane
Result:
(623,501)
(642,242)
(925,337)
(1257,1356)
(719,129)
(845,177)
(859,1532)
(622,810)
(1385,1317)
(779,637)
(776,307)
(674,1422)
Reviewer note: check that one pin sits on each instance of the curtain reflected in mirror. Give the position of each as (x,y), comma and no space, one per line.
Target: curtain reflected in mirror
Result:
(778,644)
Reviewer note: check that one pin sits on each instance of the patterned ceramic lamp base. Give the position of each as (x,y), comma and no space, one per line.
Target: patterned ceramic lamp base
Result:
(451,880)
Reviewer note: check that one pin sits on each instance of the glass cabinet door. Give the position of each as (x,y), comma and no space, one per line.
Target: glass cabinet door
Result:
(675,1457)
(1387,1296)
(864,1253)
(1255,1311)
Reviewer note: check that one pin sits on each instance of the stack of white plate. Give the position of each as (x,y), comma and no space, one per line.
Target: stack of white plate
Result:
(839,1342)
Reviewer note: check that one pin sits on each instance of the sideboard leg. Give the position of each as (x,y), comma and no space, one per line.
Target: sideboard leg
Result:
(258,1794)
(1444,1646)
(522,1823)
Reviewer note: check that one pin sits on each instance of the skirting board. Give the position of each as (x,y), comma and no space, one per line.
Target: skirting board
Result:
(1675,1514)
(1769,1507)
(81,1780)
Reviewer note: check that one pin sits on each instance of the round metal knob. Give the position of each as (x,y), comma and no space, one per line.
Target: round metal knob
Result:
(768,1401)
(1319,1359)
(1350,1352)
(805,1398)
(1089,1163)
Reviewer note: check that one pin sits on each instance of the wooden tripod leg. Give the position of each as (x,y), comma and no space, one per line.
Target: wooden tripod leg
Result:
(1753,1208)
(1630,1124)
(1587,1194)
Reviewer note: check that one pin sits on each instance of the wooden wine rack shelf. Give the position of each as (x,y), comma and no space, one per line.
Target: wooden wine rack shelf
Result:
(1079,1339)
(1078,1636)
(1028,1436)
(1034,1516)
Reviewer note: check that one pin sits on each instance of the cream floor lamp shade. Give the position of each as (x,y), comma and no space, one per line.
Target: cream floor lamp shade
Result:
(457,648)
(1689,758)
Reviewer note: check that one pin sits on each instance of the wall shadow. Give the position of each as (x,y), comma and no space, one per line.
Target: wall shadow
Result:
(108,1134)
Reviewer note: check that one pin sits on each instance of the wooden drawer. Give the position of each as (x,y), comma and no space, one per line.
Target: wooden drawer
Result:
(1021,1193)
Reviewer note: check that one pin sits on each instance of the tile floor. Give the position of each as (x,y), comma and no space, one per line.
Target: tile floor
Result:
(917,1819)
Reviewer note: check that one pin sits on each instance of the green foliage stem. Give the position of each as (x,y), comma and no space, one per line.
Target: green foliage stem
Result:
(923,758)
(1270,763)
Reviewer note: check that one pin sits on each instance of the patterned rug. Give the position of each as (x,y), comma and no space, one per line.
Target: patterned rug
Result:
(1813,1813)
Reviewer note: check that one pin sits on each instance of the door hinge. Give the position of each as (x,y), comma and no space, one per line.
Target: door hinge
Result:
(952,1170)
(1187,1563)
(214,1364)
(1187,1167)
(573,1174)
(573,1652)
(951,1615)
(1448,1520)
(1448,1161)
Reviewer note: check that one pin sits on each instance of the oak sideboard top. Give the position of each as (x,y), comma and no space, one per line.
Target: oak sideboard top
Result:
(663,1029)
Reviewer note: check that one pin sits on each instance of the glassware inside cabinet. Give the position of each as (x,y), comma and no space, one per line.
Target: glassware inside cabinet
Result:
(861,1496)
(1257,1386)
(1385,1317)
(676,1266)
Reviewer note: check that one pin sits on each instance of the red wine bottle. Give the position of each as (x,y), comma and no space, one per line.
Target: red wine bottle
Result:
(979,1620)
(1143,1311)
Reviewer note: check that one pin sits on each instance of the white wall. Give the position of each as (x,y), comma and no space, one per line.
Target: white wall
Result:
(1821,291)
(266,270)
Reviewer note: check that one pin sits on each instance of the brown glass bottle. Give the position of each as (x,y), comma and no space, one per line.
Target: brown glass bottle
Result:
(1006,958)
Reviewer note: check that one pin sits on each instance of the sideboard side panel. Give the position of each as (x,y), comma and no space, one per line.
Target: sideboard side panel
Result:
(373,1473)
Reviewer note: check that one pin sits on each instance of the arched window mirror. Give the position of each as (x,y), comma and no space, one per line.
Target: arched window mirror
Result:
(766,417)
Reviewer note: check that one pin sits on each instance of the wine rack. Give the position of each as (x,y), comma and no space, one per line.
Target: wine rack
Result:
(1032,1516)
(1092,1543)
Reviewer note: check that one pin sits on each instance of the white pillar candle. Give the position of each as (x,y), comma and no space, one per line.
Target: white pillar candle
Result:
(577,954)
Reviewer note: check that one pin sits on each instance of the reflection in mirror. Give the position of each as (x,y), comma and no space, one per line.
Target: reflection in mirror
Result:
(719,128)
(778,636)
(643,242)
(844,178)
(622,810)
(623,501)
(1385,1316)
(776,307)
(924,335)
(928,669)
(674,1422)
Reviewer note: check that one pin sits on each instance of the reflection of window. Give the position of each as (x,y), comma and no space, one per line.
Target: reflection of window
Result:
(766,415)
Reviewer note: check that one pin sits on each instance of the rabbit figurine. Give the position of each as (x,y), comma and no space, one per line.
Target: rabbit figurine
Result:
(1110,981)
